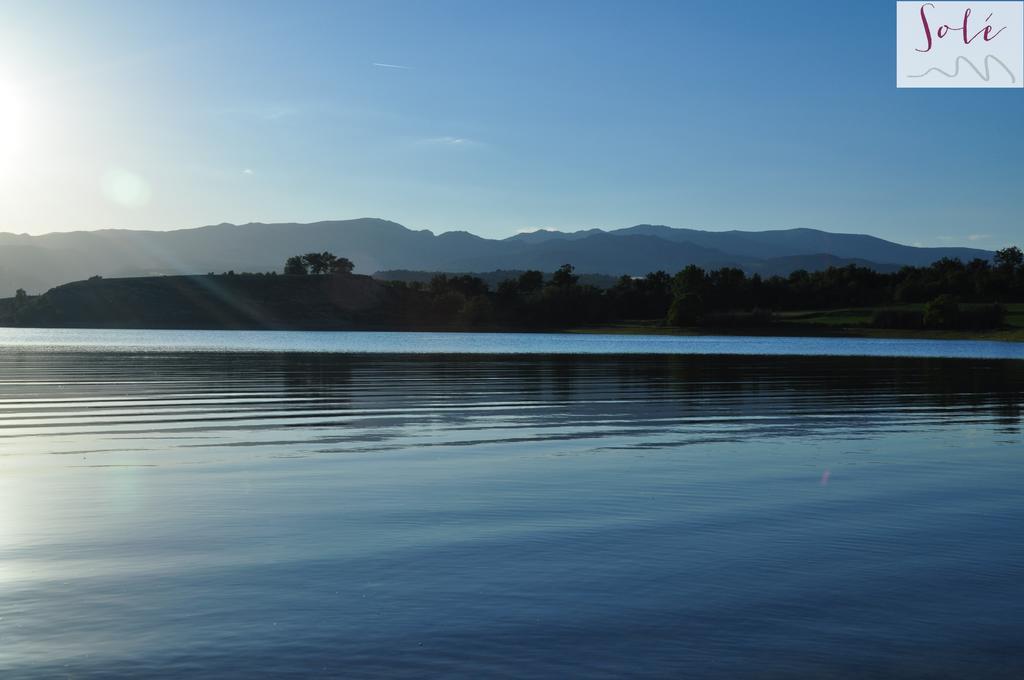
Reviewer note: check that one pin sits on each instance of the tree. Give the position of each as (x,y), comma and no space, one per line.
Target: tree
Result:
(686,310)
(477,310)
(564,277)
(326,263)
(446,306)
(315,262)
(508,289)
(530,281)
(1009,258)
(20,298)
(342,265)
(470,286)
(329,260)
(692,279)
(295,266)
(463,284)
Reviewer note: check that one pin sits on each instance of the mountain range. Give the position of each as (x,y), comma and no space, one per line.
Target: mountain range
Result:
(37,263)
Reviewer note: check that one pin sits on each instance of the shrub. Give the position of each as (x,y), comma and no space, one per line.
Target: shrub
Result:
(942,312)
(686,310)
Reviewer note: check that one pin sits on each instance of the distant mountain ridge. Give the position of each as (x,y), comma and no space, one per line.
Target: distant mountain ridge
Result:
(37,263)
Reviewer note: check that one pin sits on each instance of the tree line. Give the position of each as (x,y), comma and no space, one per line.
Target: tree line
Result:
(955,295)
(946,294)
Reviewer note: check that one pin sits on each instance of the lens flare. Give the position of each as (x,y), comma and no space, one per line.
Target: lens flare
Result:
(126,188)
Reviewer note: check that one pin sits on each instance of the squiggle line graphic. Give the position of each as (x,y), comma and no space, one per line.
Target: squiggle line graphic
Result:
(956,69)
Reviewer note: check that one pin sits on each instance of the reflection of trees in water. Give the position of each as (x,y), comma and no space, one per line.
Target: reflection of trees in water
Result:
(793,394)
(598,389)
(346,403)
(312,375)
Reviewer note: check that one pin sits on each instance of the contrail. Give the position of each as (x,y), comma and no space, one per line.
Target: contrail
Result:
(956,69)
(404,68)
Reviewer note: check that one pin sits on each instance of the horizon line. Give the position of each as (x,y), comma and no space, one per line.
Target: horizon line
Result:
(970,238)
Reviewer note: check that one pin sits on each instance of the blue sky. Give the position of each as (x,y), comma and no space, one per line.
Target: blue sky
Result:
(503,117)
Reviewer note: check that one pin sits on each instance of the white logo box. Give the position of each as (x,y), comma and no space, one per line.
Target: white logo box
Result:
(989,53)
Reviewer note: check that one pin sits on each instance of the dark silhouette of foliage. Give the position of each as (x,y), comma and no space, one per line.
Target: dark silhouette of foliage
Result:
(295,266)
(317,263)
(564,277)
(686,310)
(641,297)
(341,265)
(942,312)
(530,282)
(948,294)
(1009,258)
(465,285)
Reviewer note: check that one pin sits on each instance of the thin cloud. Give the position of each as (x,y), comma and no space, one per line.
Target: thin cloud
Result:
(979,237)
(279,112)
(247,171)
(269,112)
(448,140)
(398,66)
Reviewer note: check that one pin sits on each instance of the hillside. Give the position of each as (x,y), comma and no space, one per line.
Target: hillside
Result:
(218,301)
(37,263)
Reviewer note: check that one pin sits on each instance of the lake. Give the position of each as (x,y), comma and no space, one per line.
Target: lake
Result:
(178,504)
(92,340)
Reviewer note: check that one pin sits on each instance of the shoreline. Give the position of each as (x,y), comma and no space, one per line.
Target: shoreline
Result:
(807,331)
(637,329)
(653,328)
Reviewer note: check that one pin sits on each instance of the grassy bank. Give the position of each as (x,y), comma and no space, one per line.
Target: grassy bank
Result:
(850,323)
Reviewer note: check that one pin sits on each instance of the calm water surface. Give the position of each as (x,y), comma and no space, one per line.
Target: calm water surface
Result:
(206,515)
(490,343)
